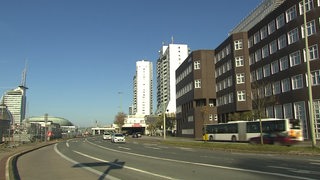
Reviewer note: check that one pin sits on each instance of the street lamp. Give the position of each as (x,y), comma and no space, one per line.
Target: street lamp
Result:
(313,140)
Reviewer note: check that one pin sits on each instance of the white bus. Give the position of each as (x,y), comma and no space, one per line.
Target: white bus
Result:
(244,130)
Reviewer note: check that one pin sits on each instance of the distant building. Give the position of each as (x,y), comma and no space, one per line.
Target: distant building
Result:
(143,94)
(5,122)
(196,94)
(170,58)
(15,100)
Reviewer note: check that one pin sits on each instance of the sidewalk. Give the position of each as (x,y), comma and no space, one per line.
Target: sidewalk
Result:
(7,152)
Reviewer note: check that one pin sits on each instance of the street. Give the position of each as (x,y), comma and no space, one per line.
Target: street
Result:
(94,158)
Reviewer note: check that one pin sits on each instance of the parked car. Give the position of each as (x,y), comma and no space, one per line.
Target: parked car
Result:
(273,138)
(117,137)
(106,136)
(136,135)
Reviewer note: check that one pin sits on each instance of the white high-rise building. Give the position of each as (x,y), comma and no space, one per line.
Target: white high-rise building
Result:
(15,100)
(143,98)
(170,58)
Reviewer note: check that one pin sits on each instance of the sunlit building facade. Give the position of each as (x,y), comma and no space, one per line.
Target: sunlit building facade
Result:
(15,100)
(170,58)
(142,89)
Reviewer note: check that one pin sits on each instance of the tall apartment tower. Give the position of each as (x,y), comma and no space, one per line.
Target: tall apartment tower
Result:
(143,98)
(170,58)
(15,100)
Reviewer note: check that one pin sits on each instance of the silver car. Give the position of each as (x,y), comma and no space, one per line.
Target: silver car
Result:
(106,136)
(117,137)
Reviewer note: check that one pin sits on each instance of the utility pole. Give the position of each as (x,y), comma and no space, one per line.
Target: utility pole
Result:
(311,116)
(45,126)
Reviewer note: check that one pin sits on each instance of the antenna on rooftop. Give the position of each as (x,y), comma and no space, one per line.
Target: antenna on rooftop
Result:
(24,75)
(171,39)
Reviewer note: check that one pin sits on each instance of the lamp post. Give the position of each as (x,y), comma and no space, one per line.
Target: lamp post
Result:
(313,140)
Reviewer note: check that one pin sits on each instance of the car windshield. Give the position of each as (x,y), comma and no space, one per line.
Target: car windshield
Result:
(118,135)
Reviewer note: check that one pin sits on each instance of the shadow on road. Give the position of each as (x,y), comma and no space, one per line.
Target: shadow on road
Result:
(116,164)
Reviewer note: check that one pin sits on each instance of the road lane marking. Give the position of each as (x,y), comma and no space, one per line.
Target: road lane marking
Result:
(301,171)
(203,164)
(83,166)
(126,167)
(121,147)
(151,147)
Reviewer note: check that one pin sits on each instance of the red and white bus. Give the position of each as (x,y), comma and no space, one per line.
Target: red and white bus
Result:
(244,130)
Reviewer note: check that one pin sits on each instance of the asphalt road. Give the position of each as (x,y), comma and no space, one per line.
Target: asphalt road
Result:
(94,158)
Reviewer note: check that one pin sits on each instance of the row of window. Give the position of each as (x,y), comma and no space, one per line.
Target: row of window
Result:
(184,73)
(284,63)
(288,84)
(184,90)
(281,42)
(286,17)
(284,85)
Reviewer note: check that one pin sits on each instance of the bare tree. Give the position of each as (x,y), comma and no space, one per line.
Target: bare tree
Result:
(262,96)
(119,120)
(204,112)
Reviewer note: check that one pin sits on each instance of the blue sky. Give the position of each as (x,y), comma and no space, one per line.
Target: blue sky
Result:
(81,53)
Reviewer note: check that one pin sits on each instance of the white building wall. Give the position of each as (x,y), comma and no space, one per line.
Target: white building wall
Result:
(15,100)
(143,87)
(175,54)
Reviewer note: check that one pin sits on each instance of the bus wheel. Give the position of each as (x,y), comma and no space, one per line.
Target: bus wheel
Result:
(233,138)
(210,138)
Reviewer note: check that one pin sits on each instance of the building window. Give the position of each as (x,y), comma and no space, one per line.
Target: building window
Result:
(273,47)
(197,83)
(257,55)
(240,78)
(259,73)
(268,90)
(280,21)
(238,44)
(308,4)
(295,58)
(297,82)
(274,67)
(263,32)
(250,42)
(278,111)
(197,65)
(287,111)
(293,36)
(315,77)
(256,38)
(266,70)
(251,59)
(241,95)
(311,28)
(282,41)
(285,85)
(252,76)
(265,51)
(239,61)
(291,13)
(276,87)
(284,63)
(271,27)
(313,51)
(269,111)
